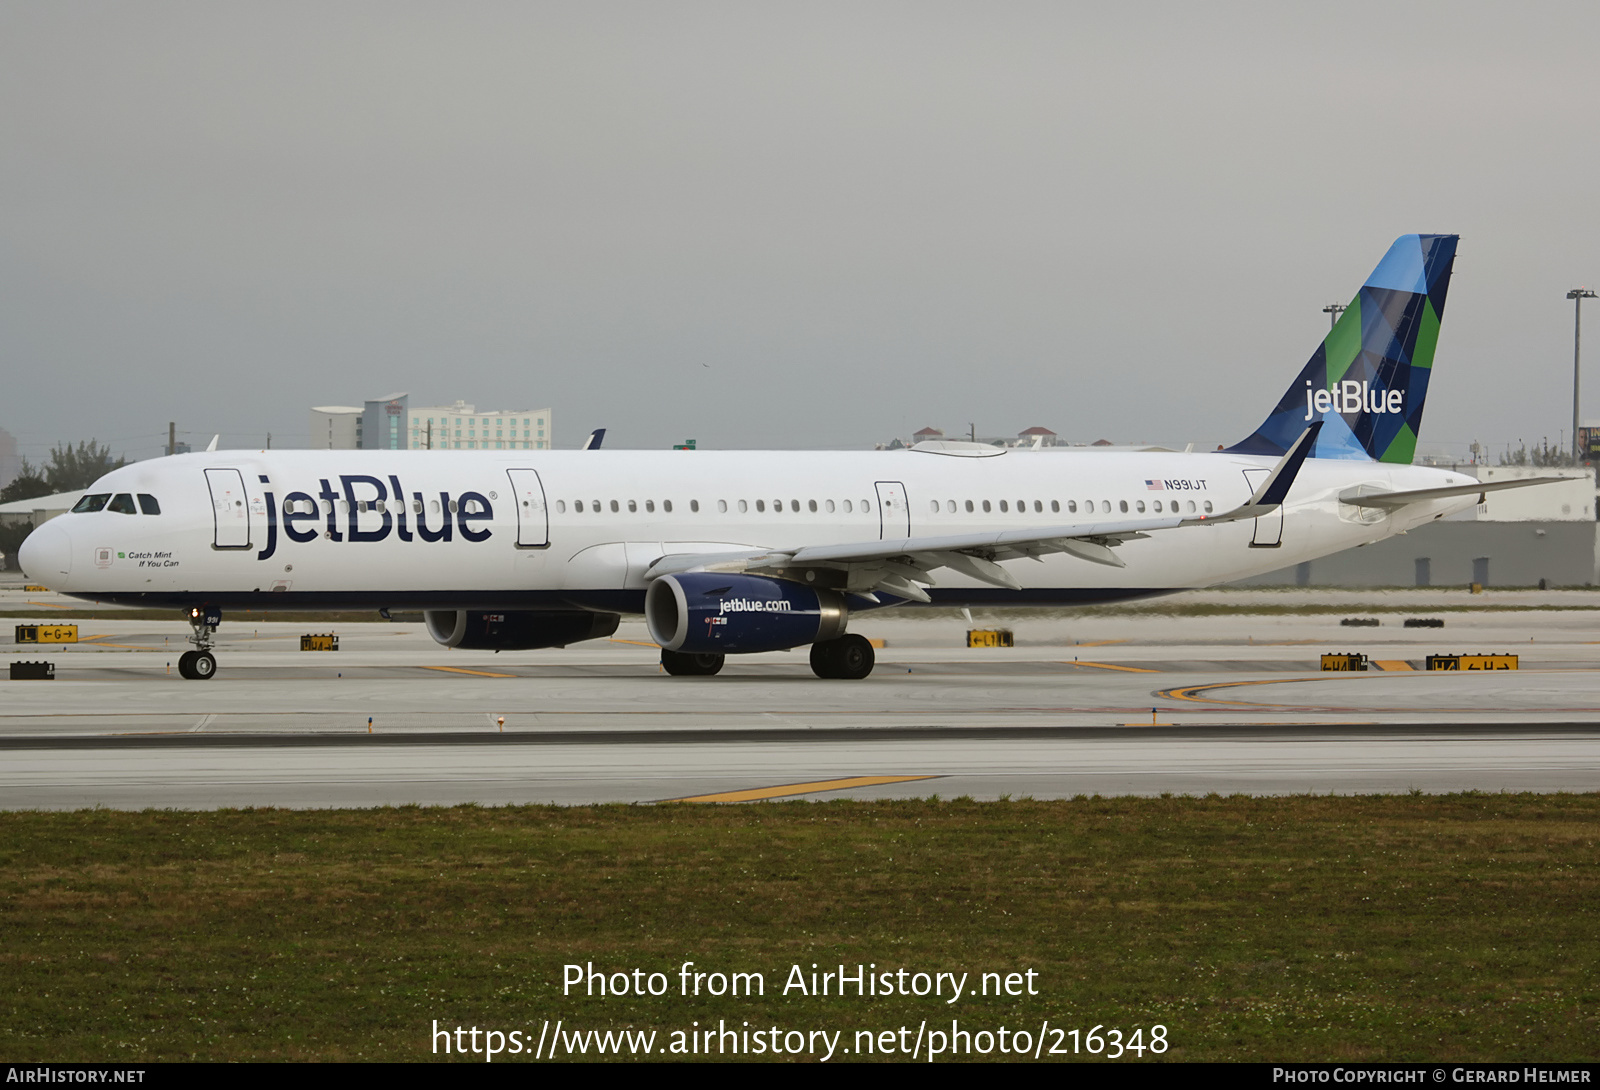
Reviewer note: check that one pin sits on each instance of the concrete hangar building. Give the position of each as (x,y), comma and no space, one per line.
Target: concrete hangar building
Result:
(1522,537)
(389,423)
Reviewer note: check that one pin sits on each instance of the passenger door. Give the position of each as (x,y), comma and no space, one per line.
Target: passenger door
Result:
(894,514)
(533,517)
(230,508)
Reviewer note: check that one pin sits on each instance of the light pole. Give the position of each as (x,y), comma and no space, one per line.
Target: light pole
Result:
(1577,295)
(1333,310)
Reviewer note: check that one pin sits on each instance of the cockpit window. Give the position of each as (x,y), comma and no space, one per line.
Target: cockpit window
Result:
(95,502)
(148,504)
(122,504)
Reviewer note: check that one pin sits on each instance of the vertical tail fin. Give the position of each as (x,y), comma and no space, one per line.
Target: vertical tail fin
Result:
(1368,379)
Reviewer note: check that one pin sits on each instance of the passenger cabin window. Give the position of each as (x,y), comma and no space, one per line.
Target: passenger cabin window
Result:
(122,504)
(1072,507)
(666,505)
(847,507)
(744,507)
(1140,506)
(1055,505)
(96,502)
(761,505)
(148,504)
(650,506)
(694,506)
(1124,505)
(986,507)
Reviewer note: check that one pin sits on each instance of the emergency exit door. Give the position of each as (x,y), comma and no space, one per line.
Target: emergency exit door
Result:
(533,517)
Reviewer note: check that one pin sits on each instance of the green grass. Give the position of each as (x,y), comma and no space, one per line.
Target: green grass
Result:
(1415,927)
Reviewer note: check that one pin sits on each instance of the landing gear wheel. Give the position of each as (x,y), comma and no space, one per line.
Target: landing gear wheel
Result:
(186,664)
(681,664)
(848,657)
(203,667)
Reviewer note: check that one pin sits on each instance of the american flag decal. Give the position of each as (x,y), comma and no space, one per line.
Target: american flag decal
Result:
(1155,486)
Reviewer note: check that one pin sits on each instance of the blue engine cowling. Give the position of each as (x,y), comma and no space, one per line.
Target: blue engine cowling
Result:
(707,613)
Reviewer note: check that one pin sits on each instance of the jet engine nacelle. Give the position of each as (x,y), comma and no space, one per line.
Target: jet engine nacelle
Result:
(707,613)
(523,630)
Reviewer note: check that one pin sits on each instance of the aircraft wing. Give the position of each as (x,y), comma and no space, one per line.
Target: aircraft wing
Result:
(897,565)
(1423,495)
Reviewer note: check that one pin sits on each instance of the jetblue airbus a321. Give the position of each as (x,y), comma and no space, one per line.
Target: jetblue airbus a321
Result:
(740,552)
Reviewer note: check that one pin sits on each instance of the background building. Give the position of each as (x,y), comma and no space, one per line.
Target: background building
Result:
(463,427)
(335,427)
(389,423)
(383,423)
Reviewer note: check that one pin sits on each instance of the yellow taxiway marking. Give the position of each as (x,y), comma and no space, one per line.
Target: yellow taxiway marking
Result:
(757,793)
(1113,666)
(1098,643)
(1390,665)
(459,670)
(637,643)
(1191,692)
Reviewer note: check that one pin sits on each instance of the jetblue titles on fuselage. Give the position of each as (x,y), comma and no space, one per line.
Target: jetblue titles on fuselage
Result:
(364,494)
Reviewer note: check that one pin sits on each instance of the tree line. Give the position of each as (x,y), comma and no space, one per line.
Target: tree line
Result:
(70,469)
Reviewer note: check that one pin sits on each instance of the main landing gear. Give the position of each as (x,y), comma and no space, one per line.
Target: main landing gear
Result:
(200,664)
(683,664)
(848,657)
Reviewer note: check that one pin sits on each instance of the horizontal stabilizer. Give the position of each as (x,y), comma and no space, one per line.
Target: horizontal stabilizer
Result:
(1393,500)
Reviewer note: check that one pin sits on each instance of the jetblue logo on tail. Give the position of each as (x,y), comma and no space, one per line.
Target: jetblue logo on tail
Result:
(1353,397)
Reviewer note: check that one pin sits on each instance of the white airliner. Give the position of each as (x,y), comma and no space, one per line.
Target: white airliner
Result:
(739,552)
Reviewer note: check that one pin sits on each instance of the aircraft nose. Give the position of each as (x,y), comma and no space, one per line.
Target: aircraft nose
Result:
(47,553)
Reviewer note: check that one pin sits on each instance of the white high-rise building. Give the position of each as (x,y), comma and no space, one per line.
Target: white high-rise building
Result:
(463,427)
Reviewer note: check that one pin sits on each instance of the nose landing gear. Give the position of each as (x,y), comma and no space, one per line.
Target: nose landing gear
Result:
(200,664)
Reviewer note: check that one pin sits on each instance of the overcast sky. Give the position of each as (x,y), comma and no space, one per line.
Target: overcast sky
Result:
(803,225)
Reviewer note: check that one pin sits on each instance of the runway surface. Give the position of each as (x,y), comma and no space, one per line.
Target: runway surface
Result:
(1109,704)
